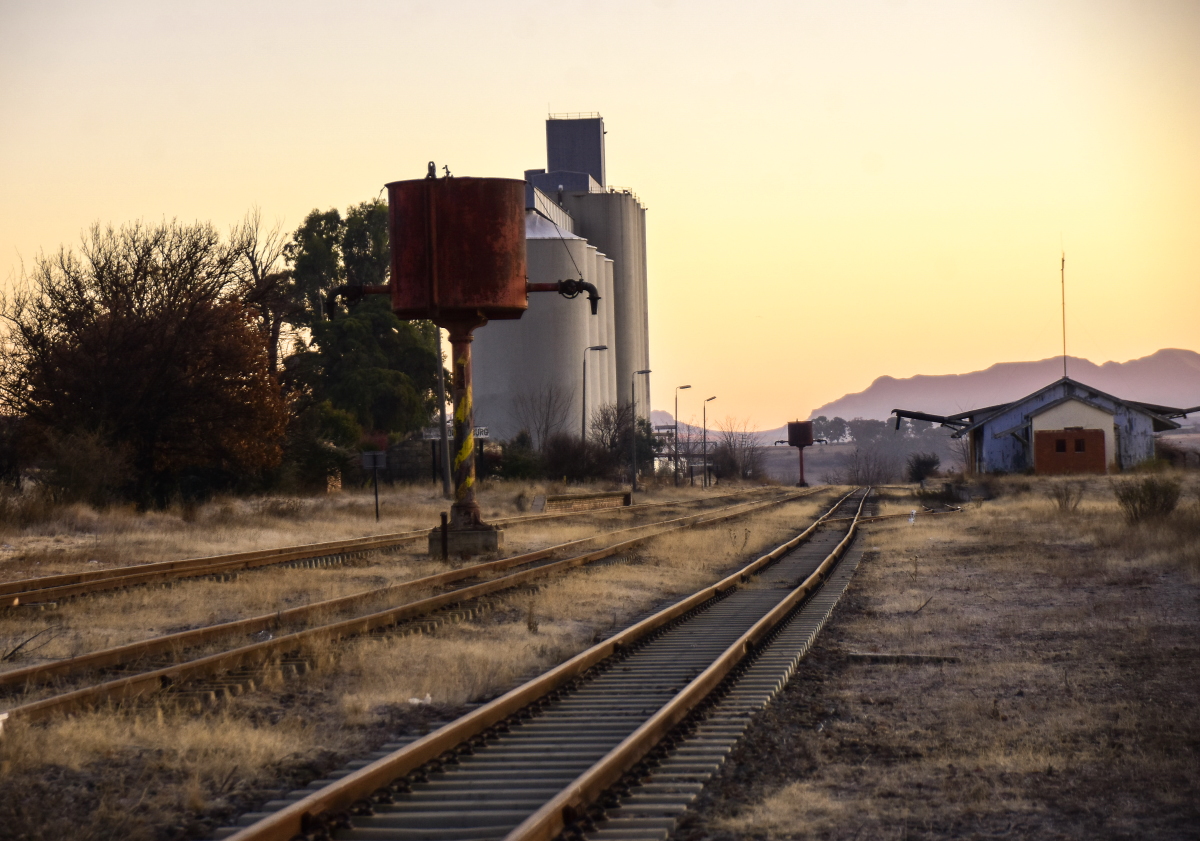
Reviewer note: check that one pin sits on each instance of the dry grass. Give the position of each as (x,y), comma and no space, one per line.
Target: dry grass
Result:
(95,623)
(1070,715)
(492,654)
(203,769)
(71,537)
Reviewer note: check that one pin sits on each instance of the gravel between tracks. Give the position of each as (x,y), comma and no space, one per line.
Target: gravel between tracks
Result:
(1071,714)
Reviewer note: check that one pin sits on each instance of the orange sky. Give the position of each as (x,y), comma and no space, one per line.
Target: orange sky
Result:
(835,191)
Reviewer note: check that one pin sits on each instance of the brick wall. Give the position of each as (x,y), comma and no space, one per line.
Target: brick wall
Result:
(1063,451)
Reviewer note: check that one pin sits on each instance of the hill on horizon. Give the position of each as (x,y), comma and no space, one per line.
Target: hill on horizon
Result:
(1168,377)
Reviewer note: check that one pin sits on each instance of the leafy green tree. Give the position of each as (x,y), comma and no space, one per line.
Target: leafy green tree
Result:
(365,362)
(315,257)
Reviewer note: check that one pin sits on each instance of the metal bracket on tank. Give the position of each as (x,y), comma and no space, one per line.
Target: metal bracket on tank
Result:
(569,289)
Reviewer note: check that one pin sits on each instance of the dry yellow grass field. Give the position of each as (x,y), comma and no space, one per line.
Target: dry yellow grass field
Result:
(152,772)
(77,536)
(1072,712)
(93,623)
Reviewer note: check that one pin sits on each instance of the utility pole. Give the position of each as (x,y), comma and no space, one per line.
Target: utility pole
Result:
(704,482)
(583,425)
(633,431)
(1062,275)
(678,389)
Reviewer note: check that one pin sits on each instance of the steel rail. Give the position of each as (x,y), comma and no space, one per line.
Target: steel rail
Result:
(298,817)
(68,585)
(134,686)
(548,821)
(894,516)
(173,643)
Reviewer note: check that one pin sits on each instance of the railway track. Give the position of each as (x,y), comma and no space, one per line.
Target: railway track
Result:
(241,666)
(51,589)
(611,745)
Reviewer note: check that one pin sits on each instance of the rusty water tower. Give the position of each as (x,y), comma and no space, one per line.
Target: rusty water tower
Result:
(800,435)
(458,259)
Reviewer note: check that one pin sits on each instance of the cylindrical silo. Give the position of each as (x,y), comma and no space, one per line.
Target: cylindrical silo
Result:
(610,333)
(645,332)
(528,373)
(613,223)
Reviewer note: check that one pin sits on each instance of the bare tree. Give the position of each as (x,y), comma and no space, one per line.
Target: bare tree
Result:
(872,465)
(960,449)
(609,423)
(737,453)
(543,411)
(263,284)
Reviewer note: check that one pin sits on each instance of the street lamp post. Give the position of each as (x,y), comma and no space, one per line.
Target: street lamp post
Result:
(633,430)
(678,388)
(583,426)
(705,422)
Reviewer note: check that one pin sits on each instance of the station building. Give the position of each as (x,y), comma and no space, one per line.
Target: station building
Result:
(1066,427)
(529,373)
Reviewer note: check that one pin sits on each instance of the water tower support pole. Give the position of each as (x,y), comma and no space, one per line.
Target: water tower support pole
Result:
(464,513)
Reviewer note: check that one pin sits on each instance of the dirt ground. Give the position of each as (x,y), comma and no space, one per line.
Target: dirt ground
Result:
(1071,712)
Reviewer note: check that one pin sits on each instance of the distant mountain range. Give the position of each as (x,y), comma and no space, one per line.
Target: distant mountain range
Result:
(1169,377)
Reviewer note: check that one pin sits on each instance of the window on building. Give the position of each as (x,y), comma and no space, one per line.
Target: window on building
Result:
(1079,445)
(1060,445)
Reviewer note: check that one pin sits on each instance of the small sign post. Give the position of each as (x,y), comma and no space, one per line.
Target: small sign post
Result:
(373,460)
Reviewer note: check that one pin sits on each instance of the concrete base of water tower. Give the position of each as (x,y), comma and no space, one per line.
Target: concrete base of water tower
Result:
(466,543)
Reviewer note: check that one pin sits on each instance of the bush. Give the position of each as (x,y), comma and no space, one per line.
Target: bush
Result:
(1066,496)
(570,457)
(922,466)
(518,459)
(1147,498)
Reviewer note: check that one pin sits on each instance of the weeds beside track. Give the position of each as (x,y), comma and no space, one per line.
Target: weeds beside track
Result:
(543,757)
(287,645)
(54,588)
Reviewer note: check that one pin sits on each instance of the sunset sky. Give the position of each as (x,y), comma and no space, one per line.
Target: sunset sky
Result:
(836,191)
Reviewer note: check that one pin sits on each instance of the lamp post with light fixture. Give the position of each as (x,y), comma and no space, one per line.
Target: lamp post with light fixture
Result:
(705,422)
(678,389)
(633,429)
(583,426)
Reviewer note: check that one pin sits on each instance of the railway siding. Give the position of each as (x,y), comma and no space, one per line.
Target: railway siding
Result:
(613,702)
(178,676)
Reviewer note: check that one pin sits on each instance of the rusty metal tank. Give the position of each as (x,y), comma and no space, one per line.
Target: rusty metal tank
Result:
(800,433)
(458,249)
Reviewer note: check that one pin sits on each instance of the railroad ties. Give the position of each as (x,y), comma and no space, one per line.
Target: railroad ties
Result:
(499,783)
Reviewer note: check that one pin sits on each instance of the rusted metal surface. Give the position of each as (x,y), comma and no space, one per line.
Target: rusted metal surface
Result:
(149,682)
(294,819)
(569,289)
(800,433)
(464,514)
(458,249)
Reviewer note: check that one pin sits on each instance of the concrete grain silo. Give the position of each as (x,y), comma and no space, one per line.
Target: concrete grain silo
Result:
(528,372)
(615,223)
(576,228)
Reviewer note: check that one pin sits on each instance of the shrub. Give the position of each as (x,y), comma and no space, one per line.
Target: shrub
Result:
(1148,497)
(519,460)
(1066,496)
(570,457)
(921,466)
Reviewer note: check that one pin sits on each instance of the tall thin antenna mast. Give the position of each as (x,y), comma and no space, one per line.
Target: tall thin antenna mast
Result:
(1062,274)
